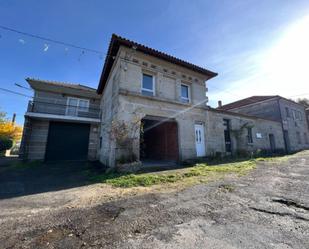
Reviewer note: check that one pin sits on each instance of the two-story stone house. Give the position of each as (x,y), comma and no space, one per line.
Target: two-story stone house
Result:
(148,106)
(290,114)
(142,86)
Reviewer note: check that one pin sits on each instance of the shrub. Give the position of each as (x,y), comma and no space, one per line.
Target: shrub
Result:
(5,143)
(242,153)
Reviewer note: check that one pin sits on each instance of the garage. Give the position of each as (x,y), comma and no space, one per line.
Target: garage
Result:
(67,141)
(160,139)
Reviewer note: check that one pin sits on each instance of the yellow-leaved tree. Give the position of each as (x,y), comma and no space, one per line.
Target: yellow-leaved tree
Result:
(9,133)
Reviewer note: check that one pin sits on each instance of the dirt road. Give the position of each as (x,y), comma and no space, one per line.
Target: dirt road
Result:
(268,208)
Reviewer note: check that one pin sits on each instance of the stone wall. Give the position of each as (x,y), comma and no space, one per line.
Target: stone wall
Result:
(275,109)
(215,132)
(295,124)
(35,140)
(265,109)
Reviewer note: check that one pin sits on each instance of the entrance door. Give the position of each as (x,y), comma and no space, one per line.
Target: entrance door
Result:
(199,140)
(272,142)
(227,135)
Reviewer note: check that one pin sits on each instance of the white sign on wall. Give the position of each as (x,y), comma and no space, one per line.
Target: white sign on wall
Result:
(258,135)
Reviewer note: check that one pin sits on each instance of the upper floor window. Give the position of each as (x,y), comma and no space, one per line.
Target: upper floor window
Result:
(148,85)
(75,105)
(185,95)
(249,136)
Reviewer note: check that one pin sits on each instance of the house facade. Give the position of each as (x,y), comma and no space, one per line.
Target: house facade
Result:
(235,133)
(290,114)
(61,123)
(148,106)
(165,97)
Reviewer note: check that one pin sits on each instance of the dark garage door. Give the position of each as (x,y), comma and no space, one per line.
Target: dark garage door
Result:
(67,141)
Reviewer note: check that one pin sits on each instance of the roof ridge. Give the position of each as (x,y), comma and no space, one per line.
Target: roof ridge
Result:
(117,41)
(68,84)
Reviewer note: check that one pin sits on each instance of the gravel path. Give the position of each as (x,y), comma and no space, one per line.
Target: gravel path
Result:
(268,208)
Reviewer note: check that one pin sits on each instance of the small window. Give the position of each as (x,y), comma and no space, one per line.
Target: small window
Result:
(100,142)
(249,136)
(287,111)
(148,85)
(185,94)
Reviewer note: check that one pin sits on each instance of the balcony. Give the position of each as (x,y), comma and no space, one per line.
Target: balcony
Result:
(49,110)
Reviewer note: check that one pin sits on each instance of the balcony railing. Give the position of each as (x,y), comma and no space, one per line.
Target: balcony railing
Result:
(63,109)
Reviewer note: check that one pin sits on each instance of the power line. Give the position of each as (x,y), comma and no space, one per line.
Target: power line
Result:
(24,87)
(51,40)
(13,92)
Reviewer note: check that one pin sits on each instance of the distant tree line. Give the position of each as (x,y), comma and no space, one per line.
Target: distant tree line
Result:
(303,101)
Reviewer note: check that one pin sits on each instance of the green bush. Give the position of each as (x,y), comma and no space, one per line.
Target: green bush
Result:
(5,144)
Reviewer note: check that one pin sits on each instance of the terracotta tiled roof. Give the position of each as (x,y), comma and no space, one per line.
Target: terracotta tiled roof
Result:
(64,84)
(246,101)
(117,41)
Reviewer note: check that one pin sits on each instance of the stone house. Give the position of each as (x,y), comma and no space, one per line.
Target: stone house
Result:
(148,106)
(290,114)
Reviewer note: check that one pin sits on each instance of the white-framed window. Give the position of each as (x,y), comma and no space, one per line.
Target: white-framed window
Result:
(185,93)
(148,85)
(76,105)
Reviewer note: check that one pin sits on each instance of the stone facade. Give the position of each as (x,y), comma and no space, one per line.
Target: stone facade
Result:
(50,104)
(261,129)
(122,101)
(127,112)
(291,115)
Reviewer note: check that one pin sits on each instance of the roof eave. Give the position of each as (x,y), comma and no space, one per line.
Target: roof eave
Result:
(117,41)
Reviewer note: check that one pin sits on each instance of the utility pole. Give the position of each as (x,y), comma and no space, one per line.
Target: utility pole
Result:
(13,118)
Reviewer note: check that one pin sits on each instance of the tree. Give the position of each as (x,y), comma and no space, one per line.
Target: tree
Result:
(303,101)
(8,129)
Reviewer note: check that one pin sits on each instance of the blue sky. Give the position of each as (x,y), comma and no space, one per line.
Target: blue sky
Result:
(257,47)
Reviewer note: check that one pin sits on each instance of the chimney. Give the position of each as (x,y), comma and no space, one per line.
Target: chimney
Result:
(219,103)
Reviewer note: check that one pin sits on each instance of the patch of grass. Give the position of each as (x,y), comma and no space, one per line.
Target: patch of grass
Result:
(200,172)
(227,187)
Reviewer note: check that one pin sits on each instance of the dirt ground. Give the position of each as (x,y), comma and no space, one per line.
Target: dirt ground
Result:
(268,208)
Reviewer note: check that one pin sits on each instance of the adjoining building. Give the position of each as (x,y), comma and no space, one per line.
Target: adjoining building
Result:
(61,123)
(290,114)
(148,106)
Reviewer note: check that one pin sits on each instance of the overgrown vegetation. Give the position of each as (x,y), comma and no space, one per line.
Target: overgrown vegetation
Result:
(200,172)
